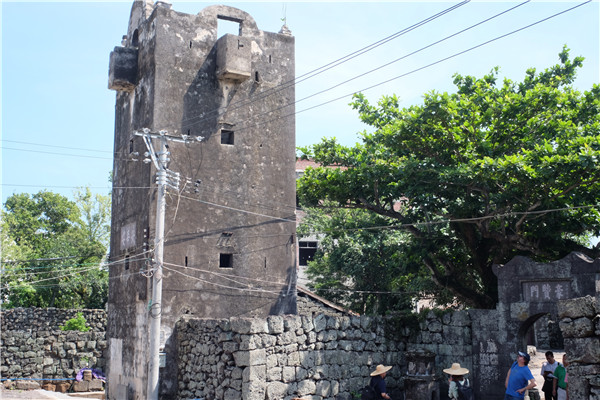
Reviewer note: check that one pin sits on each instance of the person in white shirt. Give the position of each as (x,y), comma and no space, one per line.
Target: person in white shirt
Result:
(548,368)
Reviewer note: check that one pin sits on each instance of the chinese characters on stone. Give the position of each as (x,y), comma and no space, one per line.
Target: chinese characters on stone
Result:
(546,291)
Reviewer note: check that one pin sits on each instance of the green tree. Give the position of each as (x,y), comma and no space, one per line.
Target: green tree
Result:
(55,255)
(484,174)
(360,263)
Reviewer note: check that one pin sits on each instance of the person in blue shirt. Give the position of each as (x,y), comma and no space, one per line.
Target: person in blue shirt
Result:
(519,378)
(378,382)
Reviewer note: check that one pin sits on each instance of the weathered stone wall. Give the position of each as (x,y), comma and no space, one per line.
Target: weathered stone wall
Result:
(580,326)
(308,305)
(33,346)
(317,357)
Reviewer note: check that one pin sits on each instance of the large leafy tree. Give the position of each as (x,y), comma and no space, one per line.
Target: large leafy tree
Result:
(477,176)
(52,250)
(359,264)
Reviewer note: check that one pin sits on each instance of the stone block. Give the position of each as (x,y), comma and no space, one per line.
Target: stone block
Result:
(62,387)
(323,388)
(320,322)
(288,374)
(276,390)
(49,387)
(275,324)
(27,385)
(249,325)
(580,327)
(576,308)
(583,350)
(292,323)
(81,386)
(306,387)
(96,385)
(231,394)
(255,390)
(256,373)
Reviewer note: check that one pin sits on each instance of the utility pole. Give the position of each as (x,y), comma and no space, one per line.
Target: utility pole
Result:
(164,178)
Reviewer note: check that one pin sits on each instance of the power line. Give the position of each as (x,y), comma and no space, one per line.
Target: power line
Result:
(328,66)
(58,147)
(56,154)
(247,289)
(391,62)
(448,221)
(410,72)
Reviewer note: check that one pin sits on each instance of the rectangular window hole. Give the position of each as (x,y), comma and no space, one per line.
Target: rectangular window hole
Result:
(227,25)
(225,260)
(227,136)
(126,262)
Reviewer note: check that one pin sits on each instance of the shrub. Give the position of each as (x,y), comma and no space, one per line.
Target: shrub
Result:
(76,324)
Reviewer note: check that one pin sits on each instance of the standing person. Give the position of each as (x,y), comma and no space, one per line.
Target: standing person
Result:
(548,368)
(458,382)
(519,378)
(378,381)
(561,380)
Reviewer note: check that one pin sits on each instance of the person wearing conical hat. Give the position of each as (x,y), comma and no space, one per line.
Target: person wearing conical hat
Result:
(456,373)
(378,380)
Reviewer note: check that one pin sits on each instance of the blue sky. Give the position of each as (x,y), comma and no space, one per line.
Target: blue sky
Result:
(58,115)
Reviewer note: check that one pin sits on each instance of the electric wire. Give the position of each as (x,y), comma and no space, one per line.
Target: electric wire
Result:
(389,63)
(84,266)
(241,128)
(219,285)
(227,277)
(328,66)
(57,154)
(240,210)
(58,147)
(386,81)
(452,220)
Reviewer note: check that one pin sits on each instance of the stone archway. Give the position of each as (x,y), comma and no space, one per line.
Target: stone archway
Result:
(527,292)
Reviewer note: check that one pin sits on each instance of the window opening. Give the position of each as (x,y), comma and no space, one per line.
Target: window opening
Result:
(227,136)
(130,146)
(126,262)
(306,252)
(186,261)
(256,77)
(135,39)
(229,25)
(225,260)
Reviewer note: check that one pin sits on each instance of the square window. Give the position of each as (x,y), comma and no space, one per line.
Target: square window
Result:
(225,260)
(227,136)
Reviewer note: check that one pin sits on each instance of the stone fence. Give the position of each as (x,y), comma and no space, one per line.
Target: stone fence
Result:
(316,357)
(580,326)
(33,346)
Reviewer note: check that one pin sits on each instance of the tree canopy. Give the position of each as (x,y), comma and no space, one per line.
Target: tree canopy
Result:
(52,250)
(476,177)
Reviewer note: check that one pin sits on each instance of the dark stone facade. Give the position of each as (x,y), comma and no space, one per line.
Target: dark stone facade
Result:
(34,346)
(229,247)
(580,325)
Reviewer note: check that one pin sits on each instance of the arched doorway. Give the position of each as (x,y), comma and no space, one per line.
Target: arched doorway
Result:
(540,331)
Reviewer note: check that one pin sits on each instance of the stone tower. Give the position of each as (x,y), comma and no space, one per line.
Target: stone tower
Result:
(230,225)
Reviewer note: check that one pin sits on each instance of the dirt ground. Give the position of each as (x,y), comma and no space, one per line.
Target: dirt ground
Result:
(535,365)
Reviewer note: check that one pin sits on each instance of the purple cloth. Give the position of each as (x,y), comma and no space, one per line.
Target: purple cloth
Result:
(96,373)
